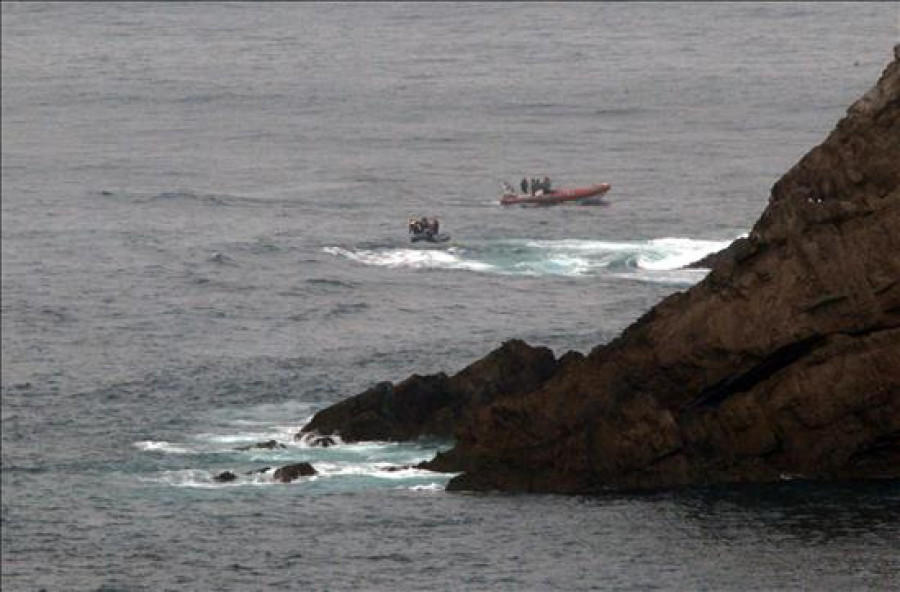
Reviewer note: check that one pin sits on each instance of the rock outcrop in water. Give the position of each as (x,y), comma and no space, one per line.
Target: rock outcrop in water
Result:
(292,472)
(433,405)
(783,361)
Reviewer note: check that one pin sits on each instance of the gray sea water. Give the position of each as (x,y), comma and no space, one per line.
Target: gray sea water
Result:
(204,241)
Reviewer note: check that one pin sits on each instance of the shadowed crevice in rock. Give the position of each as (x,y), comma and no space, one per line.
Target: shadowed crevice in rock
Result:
(739,383)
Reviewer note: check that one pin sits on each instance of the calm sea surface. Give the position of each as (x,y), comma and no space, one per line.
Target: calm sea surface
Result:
(204,241)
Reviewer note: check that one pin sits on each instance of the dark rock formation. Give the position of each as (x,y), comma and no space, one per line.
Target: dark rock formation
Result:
(434,405)
(396,468)
(289,473)
(269,445)
(225,477)
(783,361)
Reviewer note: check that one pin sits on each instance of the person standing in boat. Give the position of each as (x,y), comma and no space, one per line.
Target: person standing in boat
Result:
(436,225)
(524,185)
(545,185)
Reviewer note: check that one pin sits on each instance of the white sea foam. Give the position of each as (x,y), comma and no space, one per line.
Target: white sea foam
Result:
(159,446)
(667,254)
(203,479)
(567,257)
(367,471)
(683,277)
(373,470)
(427,487)
(662,254)
(242,438)
(410,258)
(572,244)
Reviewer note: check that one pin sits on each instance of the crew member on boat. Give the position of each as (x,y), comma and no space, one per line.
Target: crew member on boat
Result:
(424,225)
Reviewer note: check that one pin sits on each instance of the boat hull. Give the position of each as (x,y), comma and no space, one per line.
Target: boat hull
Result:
(557,197)
(429,237)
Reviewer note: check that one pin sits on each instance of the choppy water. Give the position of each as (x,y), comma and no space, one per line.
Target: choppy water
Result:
(204,241)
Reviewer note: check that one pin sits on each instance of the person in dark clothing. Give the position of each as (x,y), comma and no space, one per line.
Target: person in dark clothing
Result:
(524,185)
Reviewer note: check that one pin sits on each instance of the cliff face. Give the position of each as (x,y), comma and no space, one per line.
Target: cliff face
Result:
(784,361)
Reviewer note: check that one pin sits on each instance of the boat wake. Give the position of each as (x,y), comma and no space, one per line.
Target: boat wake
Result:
(657,260)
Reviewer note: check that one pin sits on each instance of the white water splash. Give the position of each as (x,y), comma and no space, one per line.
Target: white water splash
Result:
(203,479)
(409,258)
(656,260)
(160,446)
(667,254)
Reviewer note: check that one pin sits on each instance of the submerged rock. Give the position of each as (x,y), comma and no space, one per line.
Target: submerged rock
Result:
(319,441)
(784,360)
(225,477)
(289,473)
(397,468)
(269,445)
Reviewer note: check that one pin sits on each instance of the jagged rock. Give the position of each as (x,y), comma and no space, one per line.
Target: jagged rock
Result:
(434,405)
(269,445)
(225,477)
(784,360)
(289,473)
(259,471)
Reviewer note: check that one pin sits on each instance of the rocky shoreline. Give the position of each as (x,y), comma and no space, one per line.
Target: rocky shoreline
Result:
(783,362)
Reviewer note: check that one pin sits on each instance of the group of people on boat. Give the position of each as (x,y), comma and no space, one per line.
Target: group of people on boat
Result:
(535,185)
(424,225)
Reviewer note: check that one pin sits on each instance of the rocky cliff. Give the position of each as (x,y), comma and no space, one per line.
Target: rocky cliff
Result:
(434,405)
(784,361)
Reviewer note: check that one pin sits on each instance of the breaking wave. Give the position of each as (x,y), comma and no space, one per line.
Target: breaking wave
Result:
(253,447)
(410,258)
(656,260)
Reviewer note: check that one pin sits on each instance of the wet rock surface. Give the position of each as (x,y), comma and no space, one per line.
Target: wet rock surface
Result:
(433,405)
(783,361)
(292,472)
